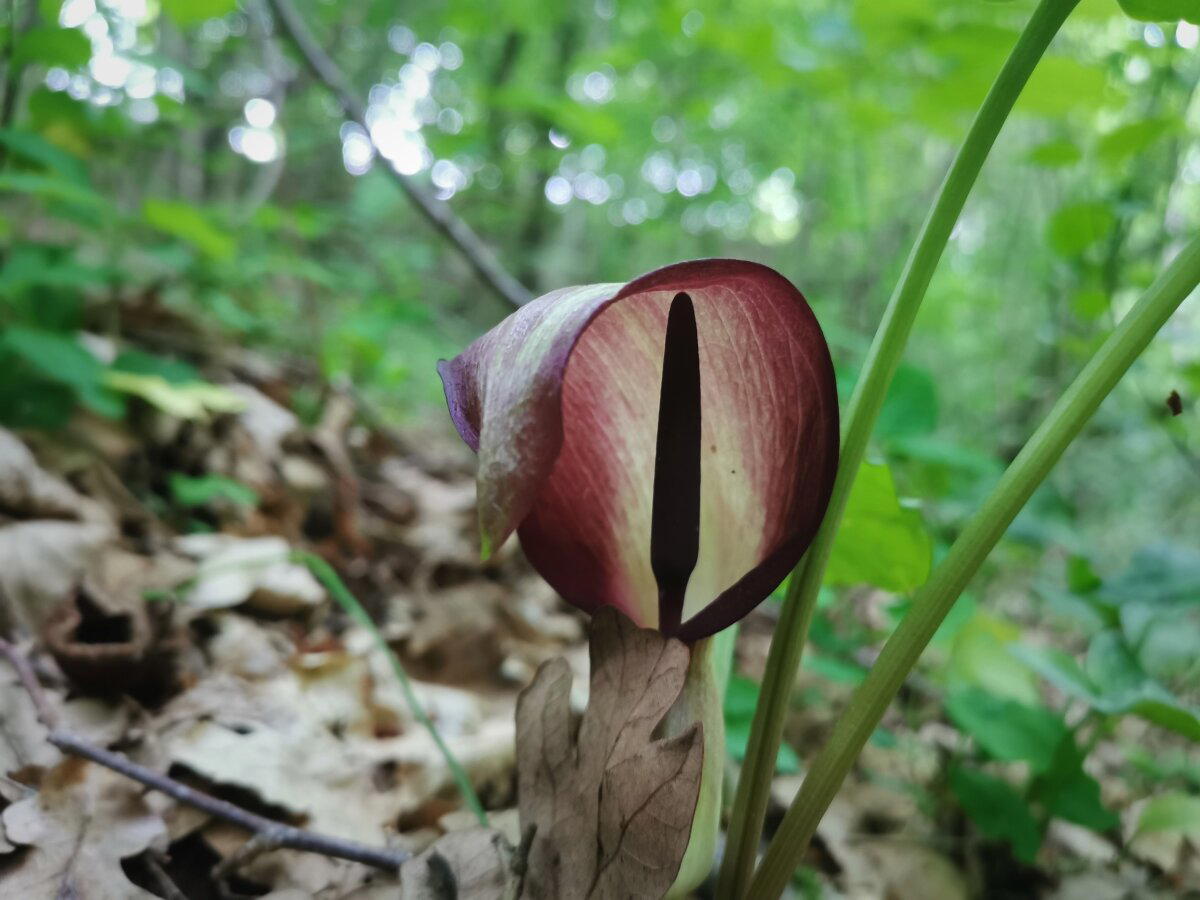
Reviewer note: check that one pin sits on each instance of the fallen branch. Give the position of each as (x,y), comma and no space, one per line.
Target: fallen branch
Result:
(439,214)
(266,831)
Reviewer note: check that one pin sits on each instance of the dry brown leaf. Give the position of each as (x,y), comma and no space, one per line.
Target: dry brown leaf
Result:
(83,821)
(314,738)
(29,492)
(258,571)
(612,808)
(474,864)
(43,562)
(22,736)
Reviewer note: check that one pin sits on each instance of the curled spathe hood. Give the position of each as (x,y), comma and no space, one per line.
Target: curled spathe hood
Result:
(562,399)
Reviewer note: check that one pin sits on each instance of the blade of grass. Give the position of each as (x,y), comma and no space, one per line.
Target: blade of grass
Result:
(933,601)
(750,805)
(333,583)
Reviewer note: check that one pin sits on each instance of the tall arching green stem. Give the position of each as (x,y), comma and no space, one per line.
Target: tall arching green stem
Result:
(884,356)
(933,601)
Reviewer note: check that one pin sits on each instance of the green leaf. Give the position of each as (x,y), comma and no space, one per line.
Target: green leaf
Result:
(911,405)
(1172,811)
(43,266)
(194,400)
(192,492)
(980,655)
(997,810)
(139,362)
(35,149)
(1058,668)
(1113,683)
(880,542)
(1127,141)
(1068,792)
(741,698)
(52,187)
(1090,303)
(33,402)
(1077,226)
(189,224)
(1061,85)
(1055,154)
(52,46)
(193,12)
(1007,730)
(60,359)
(1081,577)
(55,356)
(1162,10)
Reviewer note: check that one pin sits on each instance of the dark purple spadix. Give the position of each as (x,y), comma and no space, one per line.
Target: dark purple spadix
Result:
(675,515)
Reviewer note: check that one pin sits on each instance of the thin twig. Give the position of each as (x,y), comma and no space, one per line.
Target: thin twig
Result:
(439,214)
(281,834)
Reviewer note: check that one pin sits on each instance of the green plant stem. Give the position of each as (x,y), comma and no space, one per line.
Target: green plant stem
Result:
(869,392)
(933,601)
(347,601)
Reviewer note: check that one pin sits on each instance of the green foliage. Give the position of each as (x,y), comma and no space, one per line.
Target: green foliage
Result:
(49,373)
(981,656)
(997,809)
(1009,731)
(189,224)
(1113,683)
(191,492)
(1005,729)
(741,697)
(52,46)
(1078,226)
(1172,811)
(1161,10)
(193,12)
(881,542)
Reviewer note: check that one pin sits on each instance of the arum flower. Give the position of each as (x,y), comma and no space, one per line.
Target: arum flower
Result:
(666,446)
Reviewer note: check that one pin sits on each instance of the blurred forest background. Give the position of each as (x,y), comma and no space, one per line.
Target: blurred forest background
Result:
(220,312)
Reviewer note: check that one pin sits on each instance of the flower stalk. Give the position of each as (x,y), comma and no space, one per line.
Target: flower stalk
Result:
(882,360)
(934,600)
(702,701)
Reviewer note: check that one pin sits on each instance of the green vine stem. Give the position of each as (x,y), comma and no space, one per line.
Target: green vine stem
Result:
(882,359)
(325,574)
(933,601)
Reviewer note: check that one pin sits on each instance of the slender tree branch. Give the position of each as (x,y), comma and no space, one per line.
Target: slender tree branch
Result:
(264,830)
(439,214)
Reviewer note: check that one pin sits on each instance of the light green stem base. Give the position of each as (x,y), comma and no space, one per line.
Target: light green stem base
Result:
(703,700)
(934,600)
(882,360)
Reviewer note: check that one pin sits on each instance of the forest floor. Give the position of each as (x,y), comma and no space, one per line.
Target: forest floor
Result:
(150,576)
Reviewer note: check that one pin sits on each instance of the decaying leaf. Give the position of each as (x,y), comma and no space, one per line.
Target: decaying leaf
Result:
(474,864)
(255,570)
(43,561)
(326,738)
(612,807)
(79,826)
(26,490)
(56,533)
(22,737)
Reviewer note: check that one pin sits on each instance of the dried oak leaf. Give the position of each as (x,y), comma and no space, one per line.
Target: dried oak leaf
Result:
(612,808)
(48,533)
(474,864)
(83,821)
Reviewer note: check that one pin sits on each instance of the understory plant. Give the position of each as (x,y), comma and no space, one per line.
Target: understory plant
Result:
(669,447)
